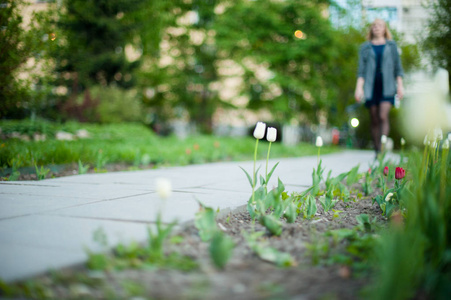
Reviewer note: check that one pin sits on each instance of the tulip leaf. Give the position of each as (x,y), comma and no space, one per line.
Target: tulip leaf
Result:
(252,208)
(345,195)
(280,187)
(342,176)
(268,176)
(389,208)
(255,175)
(353,175)
(290,212)
(327,201)
(205,222)
(248,176)
(266,253)
(311,208)
(285,196)
(377,199)
(269,201)
(281,259)
(221,248)
(307,191)
(364,221)
(273,225)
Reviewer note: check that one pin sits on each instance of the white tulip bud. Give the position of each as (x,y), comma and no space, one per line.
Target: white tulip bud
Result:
(388,198)
(163,186)
(433,145)
(403,141)
(445,144)
(259,131)
(438,133)
(383,139)
(319,141)
(271,136)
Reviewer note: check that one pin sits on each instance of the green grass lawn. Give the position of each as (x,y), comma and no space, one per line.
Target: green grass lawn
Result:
(132,144)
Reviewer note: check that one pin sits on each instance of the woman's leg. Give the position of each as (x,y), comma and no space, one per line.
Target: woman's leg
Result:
(384,110)
(375,127)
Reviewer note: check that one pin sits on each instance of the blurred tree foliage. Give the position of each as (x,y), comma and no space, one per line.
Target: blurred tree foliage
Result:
(291,77)
(91,42)
(19,45)
(181,56)
(260,35)
(93,38)
(178,81)
(438,40)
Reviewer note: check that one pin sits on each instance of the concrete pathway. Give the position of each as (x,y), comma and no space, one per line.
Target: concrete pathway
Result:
(48,224)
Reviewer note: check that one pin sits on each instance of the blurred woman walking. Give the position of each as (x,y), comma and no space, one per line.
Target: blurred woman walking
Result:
(379,79)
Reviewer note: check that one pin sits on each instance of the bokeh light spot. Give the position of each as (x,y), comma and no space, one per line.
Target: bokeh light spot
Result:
(355,122)
(299,34)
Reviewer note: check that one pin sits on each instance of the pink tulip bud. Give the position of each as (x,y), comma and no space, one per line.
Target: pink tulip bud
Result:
(400,173)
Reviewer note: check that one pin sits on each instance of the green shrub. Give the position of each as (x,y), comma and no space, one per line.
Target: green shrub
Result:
(117,105)
(28,127)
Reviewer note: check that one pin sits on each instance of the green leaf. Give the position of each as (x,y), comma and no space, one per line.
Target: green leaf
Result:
(98,261)
(248,177)
(256,174)
(252,208)
(281,259)
(311,208)
(306,191)
(221,249)
(336,213)
(389,208)
(272,171)
(269,200)
(290,212)
(285,196)
(377,199)
(266,253)
(364,221)
(205,222)
(273,225)
(353,175)
(280,187)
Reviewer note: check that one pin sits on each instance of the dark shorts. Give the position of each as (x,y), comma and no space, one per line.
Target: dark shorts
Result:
(377,93)
(378,101)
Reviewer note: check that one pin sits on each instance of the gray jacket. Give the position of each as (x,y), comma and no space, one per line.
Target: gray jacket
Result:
(391,68)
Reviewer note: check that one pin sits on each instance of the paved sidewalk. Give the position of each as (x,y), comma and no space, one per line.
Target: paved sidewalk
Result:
(48,224)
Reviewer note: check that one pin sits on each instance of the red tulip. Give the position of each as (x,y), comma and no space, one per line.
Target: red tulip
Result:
(386,171)
(400,173)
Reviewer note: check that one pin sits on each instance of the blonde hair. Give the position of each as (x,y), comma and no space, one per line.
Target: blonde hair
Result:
(387,33)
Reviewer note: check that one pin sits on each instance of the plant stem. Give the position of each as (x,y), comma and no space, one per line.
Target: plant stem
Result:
(425,164)
(443,174)
(266,174)
(402,155)
(319,148)
(254,177)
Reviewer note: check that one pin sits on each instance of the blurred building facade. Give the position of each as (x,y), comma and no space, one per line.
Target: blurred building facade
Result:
(406,16)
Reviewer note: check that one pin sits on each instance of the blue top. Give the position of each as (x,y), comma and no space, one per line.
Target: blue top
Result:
(378,50)
(390,65)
